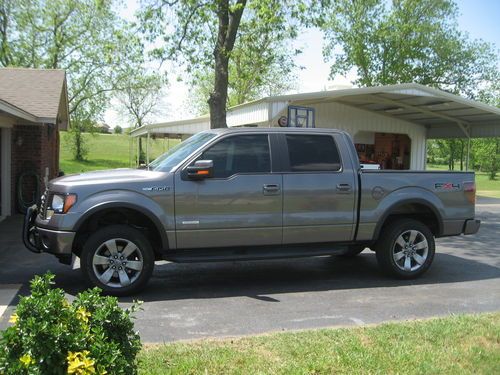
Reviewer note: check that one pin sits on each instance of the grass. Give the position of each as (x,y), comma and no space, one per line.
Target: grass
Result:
(467,344)
(107,151)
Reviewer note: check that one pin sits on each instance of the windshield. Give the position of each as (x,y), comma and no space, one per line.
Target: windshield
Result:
(175,155)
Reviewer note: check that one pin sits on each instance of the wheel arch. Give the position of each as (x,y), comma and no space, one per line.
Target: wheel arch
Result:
(121,213)
(414,208)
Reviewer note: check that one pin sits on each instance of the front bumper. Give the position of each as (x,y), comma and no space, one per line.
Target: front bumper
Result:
(38,240)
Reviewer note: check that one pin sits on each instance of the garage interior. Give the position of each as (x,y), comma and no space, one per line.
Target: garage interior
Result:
(388,150)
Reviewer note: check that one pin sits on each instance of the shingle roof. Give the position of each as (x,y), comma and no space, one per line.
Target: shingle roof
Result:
(36,91)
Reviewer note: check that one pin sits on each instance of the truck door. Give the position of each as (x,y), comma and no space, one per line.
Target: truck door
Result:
(318,189)
(240,205)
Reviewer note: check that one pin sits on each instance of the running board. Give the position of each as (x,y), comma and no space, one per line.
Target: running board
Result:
(252,253)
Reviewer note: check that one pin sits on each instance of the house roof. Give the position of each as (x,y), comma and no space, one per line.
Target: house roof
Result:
(444,115)
(35,91)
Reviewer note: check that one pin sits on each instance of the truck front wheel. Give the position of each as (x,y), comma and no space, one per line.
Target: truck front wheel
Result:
(405,248)
(118,259)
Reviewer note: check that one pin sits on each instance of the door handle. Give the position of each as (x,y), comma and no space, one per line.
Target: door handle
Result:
(344,188)
(269,189)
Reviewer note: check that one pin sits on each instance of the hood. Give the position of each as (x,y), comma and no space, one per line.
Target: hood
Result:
(106,177)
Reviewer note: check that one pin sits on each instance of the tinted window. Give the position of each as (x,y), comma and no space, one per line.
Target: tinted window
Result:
(239,154)
(181,151)
(312,153)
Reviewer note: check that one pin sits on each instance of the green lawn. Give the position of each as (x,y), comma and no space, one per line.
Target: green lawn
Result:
(107,151)
(485,186)
(454,345)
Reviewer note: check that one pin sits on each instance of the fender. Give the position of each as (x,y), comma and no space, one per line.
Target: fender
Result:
(121,199)
(411,200)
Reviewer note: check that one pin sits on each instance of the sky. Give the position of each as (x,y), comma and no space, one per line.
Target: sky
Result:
(480,18)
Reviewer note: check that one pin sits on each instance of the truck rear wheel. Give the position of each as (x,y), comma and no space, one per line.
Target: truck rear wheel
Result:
(405,249)
(118,259)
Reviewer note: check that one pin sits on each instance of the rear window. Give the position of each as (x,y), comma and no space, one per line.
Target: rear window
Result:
(312,153)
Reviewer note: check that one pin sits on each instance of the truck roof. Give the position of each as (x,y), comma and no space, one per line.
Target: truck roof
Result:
(275,130)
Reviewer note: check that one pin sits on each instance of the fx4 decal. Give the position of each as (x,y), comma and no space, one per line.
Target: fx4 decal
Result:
(446,186)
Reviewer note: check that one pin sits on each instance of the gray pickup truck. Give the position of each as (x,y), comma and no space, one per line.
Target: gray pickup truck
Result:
(246,194)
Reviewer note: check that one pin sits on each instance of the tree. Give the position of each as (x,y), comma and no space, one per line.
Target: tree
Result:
(84,37)
(204,35)
(410,41)
(262,65)
(487,151)
(139,100)
(118,129)
(488,155)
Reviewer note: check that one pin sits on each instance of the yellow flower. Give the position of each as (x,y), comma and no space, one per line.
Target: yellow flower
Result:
(27,360)
(14,318)
(82,315)
(80,363)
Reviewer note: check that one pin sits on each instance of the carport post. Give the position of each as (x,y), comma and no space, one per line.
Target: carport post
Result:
(147,150)
(138,161)
(468,154)
(466,130)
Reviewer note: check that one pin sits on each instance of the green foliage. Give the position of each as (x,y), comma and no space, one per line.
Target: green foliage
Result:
(76,140)
(236,49)
(407,41)
(448,151)
(92,335)
(97,49)
(118,129)
(261,64)
(488,155)
(140,97)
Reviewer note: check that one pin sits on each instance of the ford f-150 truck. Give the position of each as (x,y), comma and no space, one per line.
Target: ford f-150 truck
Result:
(246,194)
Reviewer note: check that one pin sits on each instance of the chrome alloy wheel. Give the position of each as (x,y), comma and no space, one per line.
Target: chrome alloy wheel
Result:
(410,250)
(117,263)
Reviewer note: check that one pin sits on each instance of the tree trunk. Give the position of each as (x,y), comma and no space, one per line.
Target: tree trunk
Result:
(461,155)
(218,98)
(229,22)
(141,153)
(451,160)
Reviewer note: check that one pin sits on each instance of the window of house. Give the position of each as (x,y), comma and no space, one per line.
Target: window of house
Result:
(312,153)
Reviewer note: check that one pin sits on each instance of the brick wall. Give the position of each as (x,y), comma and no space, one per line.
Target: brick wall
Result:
(34,148)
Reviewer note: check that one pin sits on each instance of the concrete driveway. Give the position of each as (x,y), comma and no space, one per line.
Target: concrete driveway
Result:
(187,301)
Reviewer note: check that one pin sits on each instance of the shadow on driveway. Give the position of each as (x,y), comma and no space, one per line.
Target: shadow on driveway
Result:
(477,258)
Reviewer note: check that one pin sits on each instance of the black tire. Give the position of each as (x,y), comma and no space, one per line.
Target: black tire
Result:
(352,251)
(390,247)
(121,236)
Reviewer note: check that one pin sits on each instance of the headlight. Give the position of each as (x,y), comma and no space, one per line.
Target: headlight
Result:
(57,204)
(60,204)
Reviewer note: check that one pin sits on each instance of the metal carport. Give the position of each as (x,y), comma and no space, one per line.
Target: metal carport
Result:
(441,114)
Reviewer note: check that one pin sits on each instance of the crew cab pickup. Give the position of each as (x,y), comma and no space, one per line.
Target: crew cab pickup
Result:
(246,194)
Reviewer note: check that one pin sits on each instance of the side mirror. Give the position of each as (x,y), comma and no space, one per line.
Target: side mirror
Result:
(201,169)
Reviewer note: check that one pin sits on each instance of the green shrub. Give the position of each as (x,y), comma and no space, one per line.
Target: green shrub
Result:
(49,335)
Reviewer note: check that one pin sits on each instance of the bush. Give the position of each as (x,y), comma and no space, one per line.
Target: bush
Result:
(49,335)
